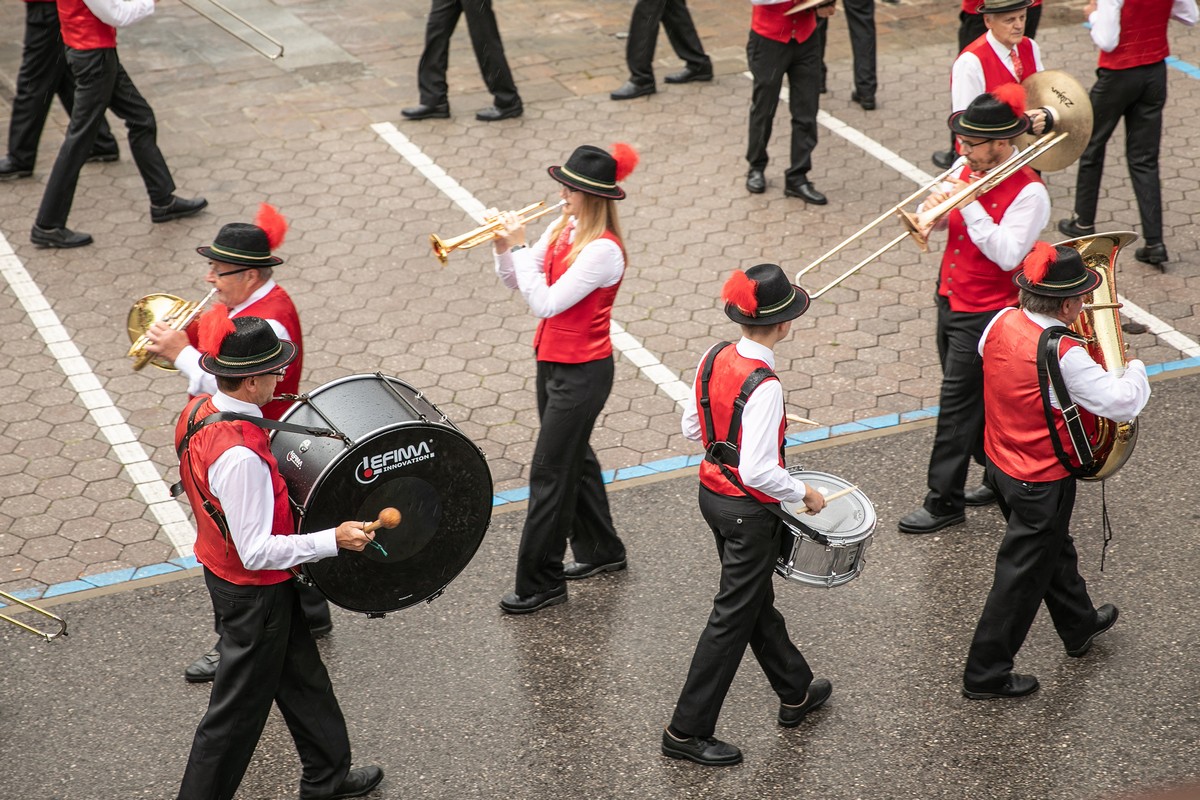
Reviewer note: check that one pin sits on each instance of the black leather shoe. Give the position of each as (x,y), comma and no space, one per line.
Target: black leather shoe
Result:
(61,238)
(1106,616)
(1071,228)
(806,192)
(922,521)
(942,159)
(513,603)
(981,495)
(101,157)
(1015,685)
(422,111)
(690,73)
(204,668)
(630,90)
(176,209)
(358,781)
(868,104)
(756,181)
(496,113)
(1155,254)
(574,570)
(710,752)
(818,692)
(10,170)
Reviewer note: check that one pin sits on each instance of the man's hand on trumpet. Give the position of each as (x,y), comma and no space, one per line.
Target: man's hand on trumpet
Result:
(511,232)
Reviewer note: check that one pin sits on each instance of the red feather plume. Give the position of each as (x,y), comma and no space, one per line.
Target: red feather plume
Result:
(272,223)
(1012,95)
(1038,262)
(742,292)
(215,325)
(626,157)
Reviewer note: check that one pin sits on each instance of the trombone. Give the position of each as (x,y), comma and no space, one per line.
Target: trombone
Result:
(492,225)
(226,10)
(152,308)
(62,623)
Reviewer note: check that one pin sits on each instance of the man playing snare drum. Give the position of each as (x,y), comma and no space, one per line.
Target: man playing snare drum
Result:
(733,496)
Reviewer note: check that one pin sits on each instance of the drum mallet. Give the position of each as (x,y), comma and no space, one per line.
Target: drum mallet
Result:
(388,518)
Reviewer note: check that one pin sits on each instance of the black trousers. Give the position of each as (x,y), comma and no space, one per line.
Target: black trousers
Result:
(1136,95)
(860,19)
(769,62)
(267,655)
(748,541)
(643,37)
(102,83)
(43,74)
(313,605)
(1037,562)
(485,38)
(959,436)
(566,491)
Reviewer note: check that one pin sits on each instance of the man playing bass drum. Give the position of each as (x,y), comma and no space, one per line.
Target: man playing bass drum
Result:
(1037,560)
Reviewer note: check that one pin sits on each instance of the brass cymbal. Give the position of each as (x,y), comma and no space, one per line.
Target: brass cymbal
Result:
(1069,104)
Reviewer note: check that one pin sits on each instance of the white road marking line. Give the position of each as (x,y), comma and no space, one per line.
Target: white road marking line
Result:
(625,343)
(1132,311)
(128,451)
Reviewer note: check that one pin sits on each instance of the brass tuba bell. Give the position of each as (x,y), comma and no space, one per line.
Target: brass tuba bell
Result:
(175,311)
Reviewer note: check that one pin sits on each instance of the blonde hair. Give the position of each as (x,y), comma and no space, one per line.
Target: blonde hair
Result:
(596,215)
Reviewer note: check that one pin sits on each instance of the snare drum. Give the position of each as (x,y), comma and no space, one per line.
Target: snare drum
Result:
(398,450)
(848,523)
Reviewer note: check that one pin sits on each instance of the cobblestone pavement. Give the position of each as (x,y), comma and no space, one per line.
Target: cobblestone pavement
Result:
(298,132)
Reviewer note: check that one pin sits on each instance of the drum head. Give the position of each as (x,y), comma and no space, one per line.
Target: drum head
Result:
(847,519)
(429,471)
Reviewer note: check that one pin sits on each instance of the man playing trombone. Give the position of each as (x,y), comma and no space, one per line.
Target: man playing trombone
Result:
(989,235)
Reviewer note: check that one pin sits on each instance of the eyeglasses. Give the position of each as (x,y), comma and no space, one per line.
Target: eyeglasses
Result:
(966,146)
(279,373)
(213,269)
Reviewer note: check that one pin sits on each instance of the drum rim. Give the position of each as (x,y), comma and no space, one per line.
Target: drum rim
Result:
(346,379)
(868,508)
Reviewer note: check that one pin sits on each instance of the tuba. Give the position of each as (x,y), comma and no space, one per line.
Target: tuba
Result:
(1100,324)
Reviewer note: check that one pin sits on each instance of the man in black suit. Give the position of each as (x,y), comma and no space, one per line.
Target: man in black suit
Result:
(643,36)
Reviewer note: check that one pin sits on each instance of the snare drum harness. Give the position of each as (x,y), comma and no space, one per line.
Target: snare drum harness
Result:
(725,453)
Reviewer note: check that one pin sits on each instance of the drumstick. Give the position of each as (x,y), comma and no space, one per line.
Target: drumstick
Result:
(801,420)
(388,518)
(842,493)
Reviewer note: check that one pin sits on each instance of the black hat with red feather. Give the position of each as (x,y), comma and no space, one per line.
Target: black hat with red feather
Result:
(247,245)
(762,295)
(593,170)
(241,347)
(1056,271)
(998,114)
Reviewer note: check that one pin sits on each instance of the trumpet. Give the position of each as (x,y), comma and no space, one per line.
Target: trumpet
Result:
(492,225)
(62,623)
(152,308)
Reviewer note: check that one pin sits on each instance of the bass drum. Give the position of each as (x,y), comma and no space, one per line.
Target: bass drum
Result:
(396,449)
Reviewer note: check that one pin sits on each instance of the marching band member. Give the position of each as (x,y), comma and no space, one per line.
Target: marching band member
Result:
(764,302)
(987,240)
(1037,560)
(241,268)
(244,540)
(1003,54)
(1131,84)
(569,278)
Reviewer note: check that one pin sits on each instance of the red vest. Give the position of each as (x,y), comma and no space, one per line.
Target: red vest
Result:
(968,278)
(212,550)
(730,371)
(581,333)
(995,71)
(1015,436)
(81,30)
(1143,35)
(276,305)
(771,22)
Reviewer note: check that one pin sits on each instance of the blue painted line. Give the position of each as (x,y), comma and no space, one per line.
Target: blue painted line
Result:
(522,493)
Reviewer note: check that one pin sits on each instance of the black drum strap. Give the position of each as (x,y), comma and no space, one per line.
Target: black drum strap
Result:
(725,453)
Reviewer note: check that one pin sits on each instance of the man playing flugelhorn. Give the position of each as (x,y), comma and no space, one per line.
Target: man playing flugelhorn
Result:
(988,237)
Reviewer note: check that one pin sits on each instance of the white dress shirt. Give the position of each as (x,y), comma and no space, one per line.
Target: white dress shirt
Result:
(599,264)
(188,360)
(966,76)
(120,13)
(1106,20)
(1007,242)
(759,452)
(1103,393)
(241,481)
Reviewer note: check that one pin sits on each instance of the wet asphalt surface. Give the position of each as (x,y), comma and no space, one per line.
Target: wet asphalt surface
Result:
(455,700)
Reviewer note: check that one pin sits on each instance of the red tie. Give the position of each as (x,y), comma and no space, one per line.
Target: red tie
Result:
(1018,67)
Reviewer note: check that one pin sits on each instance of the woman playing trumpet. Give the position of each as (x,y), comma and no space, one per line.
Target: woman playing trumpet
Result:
(569,278)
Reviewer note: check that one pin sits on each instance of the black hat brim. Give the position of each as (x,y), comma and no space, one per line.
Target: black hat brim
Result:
(1020,125)
(611,193)
(229,258)
(286,355)
(983,9)
(792,310)
(1093,280)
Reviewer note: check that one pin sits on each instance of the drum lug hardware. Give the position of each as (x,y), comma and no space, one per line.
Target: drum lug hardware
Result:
(376,614)
(435,596)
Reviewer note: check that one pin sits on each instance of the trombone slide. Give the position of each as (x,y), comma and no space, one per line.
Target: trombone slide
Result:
(229,12)
(62,623)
